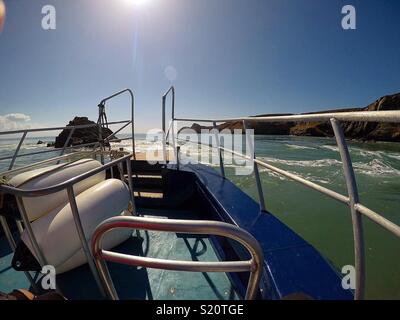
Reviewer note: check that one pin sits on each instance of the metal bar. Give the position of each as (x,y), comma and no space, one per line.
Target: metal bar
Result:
(20,226)
(169,129)
(178,149)
(116,132)
(62,185)
(130,182)
(360,116)
(191,266)
(6,173)
(372,215)
(129,91)
(250,144)
(164,98)
(221,161)
(165,141)
(291,176)
(100,130)
(31,235)
(180,226)
(174,145)
(17,150)
(359,251)
(378,219)
(83,126)
(67,141)
(82,237)
(52,150)
(120,139)
(328,192)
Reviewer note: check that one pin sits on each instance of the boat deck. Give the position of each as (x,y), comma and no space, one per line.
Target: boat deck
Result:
(141,283)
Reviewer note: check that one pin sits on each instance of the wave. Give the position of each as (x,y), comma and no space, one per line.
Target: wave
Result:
(298,147)
(304,163)
(376,168)
(393,155)
(329,147)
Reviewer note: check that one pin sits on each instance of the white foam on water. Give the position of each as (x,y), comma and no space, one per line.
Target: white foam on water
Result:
(304,163)
(393,155)
(376,168)
(329,147)
(298,147)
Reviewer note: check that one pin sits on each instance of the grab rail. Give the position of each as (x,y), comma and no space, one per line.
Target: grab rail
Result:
(66,185)
(63,149)
(130,92)
(171,126)
(352,200)
(254,265)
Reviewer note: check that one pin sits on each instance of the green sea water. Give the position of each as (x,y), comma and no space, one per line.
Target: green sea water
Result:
(324,222)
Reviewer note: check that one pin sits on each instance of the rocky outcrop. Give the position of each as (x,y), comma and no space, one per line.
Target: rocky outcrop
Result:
(353,130)
(80,136)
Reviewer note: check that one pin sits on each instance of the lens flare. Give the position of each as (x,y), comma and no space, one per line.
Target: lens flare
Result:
(2,14)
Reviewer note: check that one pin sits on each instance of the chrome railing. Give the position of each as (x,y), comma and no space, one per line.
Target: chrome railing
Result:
(102,106)
(171,127)
(72,129)
(254,265)
(62,150)
(66,185)
(351,200)
(97,148)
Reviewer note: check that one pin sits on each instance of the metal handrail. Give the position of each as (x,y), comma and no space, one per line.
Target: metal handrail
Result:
(66,185)
(83,126)
(360,116)
(63,185)
(63,149)
(132,96)
(58,158)
(357,209)
(171,127)
(352,200)
(254,265)
(48,151)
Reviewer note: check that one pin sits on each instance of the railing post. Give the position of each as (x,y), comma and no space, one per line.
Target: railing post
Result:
(351,183)
(17,150)
(66,143)
(133,123)
(164,98)
(101,142)
(82,237)
(32,238)
(250,144)
(221,161)
(174,143)
(130,182)
(178,150)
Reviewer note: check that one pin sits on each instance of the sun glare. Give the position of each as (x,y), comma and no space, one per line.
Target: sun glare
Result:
(137,2)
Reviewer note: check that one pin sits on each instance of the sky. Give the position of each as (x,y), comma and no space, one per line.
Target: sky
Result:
(225,58)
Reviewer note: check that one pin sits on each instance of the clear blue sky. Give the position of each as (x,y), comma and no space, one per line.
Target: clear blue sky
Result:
(228,57)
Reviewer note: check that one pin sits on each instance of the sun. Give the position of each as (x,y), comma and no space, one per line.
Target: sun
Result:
(137,2)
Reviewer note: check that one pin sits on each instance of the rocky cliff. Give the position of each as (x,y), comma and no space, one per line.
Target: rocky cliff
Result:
(353,130)
(80,136)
